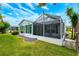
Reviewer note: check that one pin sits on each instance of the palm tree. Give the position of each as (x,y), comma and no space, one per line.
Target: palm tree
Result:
(74,24)
(74,20)
(70,14)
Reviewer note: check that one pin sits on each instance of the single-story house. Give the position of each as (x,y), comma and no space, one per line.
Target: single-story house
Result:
(13,28)
(46,26)
(26,26)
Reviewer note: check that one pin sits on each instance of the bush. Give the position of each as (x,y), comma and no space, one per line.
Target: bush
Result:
(3,26)
(21,31)
(14,32)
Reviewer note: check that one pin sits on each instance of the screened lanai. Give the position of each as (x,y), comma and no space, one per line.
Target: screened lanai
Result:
(49,26)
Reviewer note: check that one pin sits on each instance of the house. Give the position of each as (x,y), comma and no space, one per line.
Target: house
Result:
(26,26)
(13,28)
(49,28)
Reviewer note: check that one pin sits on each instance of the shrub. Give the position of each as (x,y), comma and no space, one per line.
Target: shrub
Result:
(3,26)
(21,31)
(14,32)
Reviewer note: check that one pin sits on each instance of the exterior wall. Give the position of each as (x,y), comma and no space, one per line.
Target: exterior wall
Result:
(48,39)
(42,38)
(22,29)
(26,30)
(51,40)
(70,44)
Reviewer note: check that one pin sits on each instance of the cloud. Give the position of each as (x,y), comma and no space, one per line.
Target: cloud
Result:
(34,17)
(10,7)
(30,5)
(45,7)
(10,19)
(7,5)
(27,10)
(20,14)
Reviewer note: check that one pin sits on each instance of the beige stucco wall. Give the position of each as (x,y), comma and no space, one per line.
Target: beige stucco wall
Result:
(70,43)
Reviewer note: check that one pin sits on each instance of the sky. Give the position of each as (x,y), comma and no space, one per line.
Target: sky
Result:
(15,12)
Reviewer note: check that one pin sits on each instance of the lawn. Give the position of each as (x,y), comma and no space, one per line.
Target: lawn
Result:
(15,46)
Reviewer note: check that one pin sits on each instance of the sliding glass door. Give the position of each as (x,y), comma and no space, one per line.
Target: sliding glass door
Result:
(29,29)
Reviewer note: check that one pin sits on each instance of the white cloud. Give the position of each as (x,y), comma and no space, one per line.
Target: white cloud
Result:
(10,19)
(45,7)
(30,5)
(22,12)
(7,5)
(10,13)
(29,11)
(18,13)
(10,7)
(34,17)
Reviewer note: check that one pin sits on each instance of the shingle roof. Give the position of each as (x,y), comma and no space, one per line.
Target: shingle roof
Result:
(24,20)
(52,16)
(57,18)
(49,15)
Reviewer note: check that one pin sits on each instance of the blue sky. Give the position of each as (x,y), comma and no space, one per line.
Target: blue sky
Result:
(16,12)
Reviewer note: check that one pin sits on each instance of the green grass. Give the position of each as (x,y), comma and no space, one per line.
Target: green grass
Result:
(15,46)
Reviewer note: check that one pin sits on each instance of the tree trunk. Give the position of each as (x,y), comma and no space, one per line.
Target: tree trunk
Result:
(77,40)
(72,34)
(77,43)
(74,37)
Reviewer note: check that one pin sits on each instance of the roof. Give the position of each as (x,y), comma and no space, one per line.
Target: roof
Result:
(25,20)
(14,26)
(51,16)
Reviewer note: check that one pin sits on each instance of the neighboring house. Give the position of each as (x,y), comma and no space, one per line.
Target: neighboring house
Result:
(13,27)
(46,27)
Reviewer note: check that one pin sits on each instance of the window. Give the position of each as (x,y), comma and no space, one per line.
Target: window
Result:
(26,28)
(54,28)
(47,28)
(51,28)
(29,28)
(22,28)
